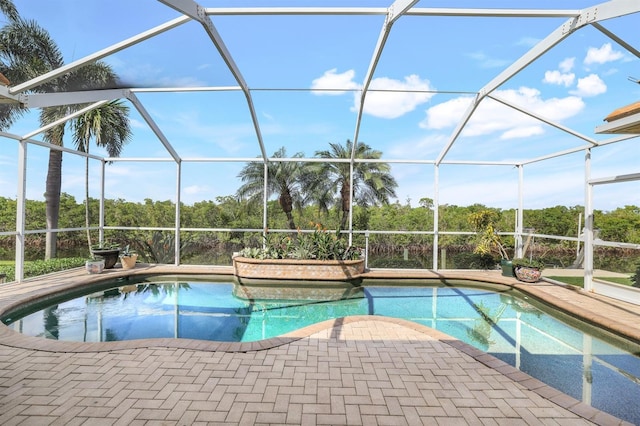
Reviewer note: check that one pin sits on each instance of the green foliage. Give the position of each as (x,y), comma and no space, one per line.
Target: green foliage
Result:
(467,260)
(159,247)
(635,278)
(41,267)
(319,245)
(488,241)
(529,263)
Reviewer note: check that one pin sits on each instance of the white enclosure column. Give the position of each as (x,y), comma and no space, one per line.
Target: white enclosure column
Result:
(264,203)
(520,212)
(21,209)
(588,224)
(101,219)
(436,215)
(177,219)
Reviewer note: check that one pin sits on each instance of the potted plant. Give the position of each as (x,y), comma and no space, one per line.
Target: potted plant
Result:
(527,270)
(128,258)
(488,241)
(108,252)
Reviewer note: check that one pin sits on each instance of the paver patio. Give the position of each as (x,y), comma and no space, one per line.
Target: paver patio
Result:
(351,371)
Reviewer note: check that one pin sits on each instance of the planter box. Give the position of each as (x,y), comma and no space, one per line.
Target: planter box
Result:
(293,269)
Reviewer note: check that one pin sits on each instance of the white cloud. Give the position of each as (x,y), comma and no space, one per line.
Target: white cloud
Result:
(330,80)
(493,117)
(487,62)
(195,189)
(556,77)
(425,147)
(446,114)
(602,55)
(567,65)
(591,85)
(387,98)
(401,97)
(137,124)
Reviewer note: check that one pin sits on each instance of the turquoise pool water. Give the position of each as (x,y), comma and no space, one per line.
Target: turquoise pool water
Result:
(597,369)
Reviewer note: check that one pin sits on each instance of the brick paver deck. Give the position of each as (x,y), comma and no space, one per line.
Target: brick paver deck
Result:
(351,371)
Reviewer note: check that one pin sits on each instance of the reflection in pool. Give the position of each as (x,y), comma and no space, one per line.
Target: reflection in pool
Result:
(602,372)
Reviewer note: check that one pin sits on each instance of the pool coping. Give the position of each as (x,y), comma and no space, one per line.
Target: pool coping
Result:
(13,294)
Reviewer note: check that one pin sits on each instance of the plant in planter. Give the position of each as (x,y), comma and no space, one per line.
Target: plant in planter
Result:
(108,252)
(488,241)
(128,258)
(319,255)
(527,270)
(319,245)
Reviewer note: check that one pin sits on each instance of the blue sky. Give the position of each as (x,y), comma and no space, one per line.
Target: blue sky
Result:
(289,62)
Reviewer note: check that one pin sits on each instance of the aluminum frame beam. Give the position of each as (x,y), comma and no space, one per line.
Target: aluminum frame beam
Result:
(198,13)
(544,120)
(591,15)
(154,127)
(35,82)
(394,12)
(44,100)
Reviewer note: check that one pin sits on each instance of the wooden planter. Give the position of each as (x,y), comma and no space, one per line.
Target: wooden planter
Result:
(294,269)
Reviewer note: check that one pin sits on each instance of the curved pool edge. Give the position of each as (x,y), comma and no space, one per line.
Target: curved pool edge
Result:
(13,294)
(591,308)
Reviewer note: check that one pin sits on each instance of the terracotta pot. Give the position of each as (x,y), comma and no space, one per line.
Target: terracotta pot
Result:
(128,262)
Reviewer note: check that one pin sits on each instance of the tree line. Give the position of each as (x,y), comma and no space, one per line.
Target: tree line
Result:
(233,212)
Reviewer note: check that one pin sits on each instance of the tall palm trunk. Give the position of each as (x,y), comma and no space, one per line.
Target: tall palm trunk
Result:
(345,196)
(86,198)
(286,202)
(52,198)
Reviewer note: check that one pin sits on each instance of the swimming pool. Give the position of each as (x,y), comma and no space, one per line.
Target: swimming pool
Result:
(593,367)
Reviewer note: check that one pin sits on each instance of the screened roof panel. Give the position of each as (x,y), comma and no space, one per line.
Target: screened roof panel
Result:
(303,68)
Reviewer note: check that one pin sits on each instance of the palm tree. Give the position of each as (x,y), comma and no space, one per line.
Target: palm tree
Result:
(283,178)
(27,51)
(8,9)
(109,127)
(372,182)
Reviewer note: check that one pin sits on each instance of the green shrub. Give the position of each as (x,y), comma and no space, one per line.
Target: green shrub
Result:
(467,260)
(41,267)
(319,244)
(635,278)
(531,263)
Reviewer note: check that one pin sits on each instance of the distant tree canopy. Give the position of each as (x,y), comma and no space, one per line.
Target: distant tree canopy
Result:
(621,224)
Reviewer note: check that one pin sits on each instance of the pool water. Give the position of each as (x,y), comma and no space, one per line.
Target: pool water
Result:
(592,367)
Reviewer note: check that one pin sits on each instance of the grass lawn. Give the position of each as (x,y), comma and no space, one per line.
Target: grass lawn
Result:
(579,281)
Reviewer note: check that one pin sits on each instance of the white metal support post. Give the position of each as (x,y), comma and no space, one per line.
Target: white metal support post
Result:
(101,219)
(177,218)
(519,214)
(21,209)
(436,215)
(588,224)
(265,198)
(351,163)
